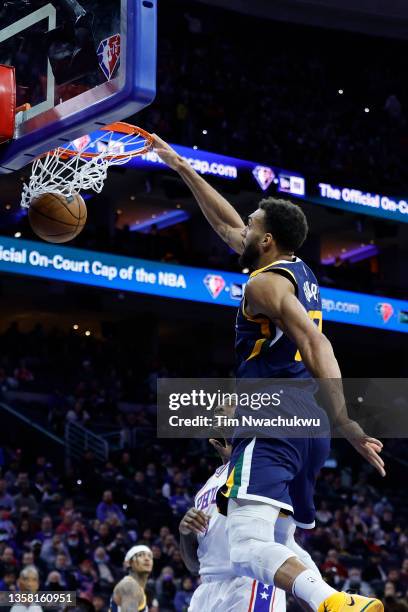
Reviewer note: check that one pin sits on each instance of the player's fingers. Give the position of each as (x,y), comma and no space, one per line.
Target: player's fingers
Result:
(196,526)
(197,517)
(373,453)
(377,463)
(375,441)
(159,142)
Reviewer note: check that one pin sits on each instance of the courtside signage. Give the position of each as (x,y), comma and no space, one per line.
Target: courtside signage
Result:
(181,282)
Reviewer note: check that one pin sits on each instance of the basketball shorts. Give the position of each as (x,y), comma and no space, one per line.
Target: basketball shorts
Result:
(277,471)
(237,595)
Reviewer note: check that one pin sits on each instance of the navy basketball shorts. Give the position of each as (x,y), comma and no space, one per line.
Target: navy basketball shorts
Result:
(281,472)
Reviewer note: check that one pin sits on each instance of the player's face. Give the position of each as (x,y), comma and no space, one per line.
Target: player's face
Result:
(142,563)
(252,237)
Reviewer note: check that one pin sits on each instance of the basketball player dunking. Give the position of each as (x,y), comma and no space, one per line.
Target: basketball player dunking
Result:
(277,337)
(129,594)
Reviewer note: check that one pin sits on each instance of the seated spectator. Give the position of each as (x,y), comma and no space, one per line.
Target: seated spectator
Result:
(24,534)
(107,508)
(166,589)
(24,502)
(101,560)
(6,500)
(46,530)
(51,549)
(66,573)
(355,584)
(8,561)
(184,595)
(7,527)
(8,581)
(55,582)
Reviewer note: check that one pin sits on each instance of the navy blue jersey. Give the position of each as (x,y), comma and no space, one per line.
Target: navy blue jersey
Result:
(262,349)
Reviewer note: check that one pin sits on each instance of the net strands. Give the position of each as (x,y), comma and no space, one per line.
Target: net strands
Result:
(83,165)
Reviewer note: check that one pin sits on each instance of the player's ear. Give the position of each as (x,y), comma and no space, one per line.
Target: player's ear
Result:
(267,239)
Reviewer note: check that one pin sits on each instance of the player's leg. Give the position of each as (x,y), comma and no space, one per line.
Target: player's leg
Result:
(285,529)
(257,489)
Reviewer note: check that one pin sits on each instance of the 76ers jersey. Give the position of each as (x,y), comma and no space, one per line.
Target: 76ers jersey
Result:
(262,349)
(212,550)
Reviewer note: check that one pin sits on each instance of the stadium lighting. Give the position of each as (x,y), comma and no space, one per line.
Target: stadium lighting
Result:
(341,91)
(17,235)
(79,482)
(245,270)
(366,110)
(76,326)
(87,333)
(8,207)
(195,147)
(205,132)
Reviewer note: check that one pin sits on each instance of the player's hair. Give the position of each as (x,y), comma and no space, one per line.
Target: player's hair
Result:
(286,222)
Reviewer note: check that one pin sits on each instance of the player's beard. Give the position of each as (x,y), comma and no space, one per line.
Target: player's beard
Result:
(250,256)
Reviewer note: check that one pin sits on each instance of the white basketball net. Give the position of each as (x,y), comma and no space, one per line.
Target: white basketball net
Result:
(55,173)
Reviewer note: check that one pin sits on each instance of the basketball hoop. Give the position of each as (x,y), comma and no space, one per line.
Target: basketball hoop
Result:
(83,164)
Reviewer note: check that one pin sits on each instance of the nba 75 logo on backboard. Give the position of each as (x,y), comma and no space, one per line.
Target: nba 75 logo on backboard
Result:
(215,284)
(109,55)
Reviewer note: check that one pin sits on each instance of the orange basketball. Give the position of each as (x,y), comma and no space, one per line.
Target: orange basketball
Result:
(57,218)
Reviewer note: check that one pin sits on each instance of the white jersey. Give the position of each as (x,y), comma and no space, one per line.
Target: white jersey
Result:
(221,590)
(213,547)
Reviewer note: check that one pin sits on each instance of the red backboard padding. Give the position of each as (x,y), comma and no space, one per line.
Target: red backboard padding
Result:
(7,102)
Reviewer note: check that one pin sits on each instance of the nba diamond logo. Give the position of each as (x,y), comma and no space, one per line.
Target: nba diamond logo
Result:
(264,176)
(109,55)
(385,310)
(215,284)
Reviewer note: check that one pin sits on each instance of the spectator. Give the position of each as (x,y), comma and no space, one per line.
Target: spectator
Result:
(355,584)
(107,508)
(24,502)
(6,500)
(184,595)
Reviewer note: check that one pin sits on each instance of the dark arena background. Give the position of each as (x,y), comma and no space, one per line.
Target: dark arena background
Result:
(306,101)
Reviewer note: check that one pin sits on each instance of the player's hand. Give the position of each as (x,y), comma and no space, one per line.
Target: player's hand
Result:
(369,448)
(194,521)
(165,152)
(224,450)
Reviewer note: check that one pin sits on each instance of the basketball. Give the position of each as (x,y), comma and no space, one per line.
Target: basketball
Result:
(57,218)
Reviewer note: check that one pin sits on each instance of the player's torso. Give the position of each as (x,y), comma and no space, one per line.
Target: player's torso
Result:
(113,606)
(262,349)
(213,546)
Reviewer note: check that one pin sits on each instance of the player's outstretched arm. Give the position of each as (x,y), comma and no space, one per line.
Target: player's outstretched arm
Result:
(222,217)
(273,296)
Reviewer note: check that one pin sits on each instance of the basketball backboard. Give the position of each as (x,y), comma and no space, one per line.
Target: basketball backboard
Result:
(79,64)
